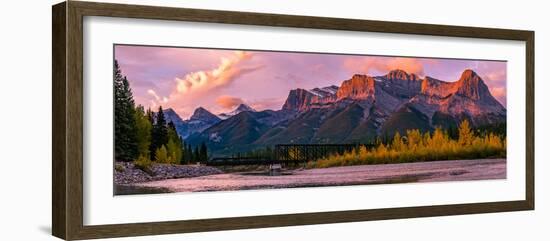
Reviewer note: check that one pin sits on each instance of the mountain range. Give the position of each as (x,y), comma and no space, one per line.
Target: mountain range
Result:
(361,109)
(198,122)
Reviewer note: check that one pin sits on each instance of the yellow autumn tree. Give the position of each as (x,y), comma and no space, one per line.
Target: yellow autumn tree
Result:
(465,134)
(397,143)
(438,138)
(414,138)
(162,156)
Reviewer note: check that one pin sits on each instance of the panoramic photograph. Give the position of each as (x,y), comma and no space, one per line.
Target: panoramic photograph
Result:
(202,120)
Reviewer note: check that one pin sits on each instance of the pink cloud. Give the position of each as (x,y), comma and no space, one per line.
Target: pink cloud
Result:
(195,88)
(156,96)
(371,65)
(228,102)
(268,103)
(499,93)
(495,75)
(224,74)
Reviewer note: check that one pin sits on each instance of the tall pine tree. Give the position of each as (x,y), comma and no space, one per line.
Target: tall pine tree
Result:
(149,114)
(174,145)
(159,133)
(126,147)
(196,155)
(203,153)
(188,153)
(183,161)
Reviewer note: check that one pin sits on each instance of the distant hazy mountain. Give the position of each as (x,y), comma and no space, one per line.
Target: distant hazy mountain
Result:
(359,110)
(202,116)
(172,116)
(199,121)
(239,109)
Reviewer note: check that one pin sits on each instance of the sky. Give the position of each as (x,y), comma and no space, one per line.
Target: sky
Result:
(219,80)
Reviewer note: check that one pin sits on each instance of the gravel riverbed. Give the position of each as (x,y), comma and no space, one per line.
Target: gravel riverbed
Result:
(128,173)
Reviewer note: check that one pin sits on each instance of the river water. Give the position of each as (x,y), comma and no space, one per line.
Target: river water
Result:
(436,171)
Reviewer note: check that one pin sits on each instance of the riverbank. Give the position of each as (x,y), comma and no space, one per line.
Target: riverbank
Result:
(435,171)
(128,173)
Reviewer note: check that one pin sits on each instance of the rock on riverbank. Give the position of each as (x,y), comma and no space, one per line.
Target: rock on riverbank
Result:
(128,173)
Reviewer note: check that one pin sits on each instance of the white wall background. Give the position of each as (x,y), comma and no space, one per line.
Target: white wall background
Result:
(25,122)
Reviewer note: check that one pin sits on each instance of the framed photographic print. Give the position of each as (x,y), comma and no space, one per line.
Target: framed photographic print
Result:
(212,120)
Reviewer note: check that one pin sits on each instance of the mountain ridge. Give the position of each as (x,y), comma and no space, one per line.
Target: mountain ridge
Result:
(361,109)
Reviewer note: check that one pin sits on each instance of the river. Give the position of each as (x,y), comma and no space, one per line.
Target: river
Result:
(435,171)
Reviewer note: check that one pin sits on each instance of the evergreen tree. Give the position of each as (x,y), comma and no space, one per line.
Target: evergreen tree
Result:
(159,133)
(203,153)
(149,114)
(188,154)
(453,132)
(184,159)
(126,146)
(196,155)
(173,133)
(191,155)
(174,145)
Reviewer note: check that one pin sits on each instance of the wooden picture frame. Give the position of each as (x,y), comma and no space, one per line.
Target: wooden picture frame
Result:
(67,123)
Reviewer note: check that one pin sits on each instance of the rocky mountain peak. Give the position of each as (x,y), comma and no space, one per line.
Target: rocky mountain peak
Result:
(298,99)
(168,111)
(301,99)
(469,74)
(239,109)
(244,107)
(171,115)
(202,114)
(358,87)
(471,85)
(398,74)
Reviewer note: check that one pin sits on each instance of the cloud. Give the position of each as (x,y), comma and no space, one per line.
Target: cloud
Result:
(499,93)
(228,102)
(382,65)
(205,84)
(154,94)
(157,98)
(498,75)
(268,104)
(224,74)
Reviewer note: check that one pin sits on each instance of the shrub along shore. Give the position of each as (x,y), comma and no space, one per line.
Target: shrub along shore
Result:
(418,147)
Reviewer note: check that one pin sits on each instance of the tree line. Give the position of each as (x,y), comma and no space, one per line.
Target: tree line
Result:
(416,146)
(143,136)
